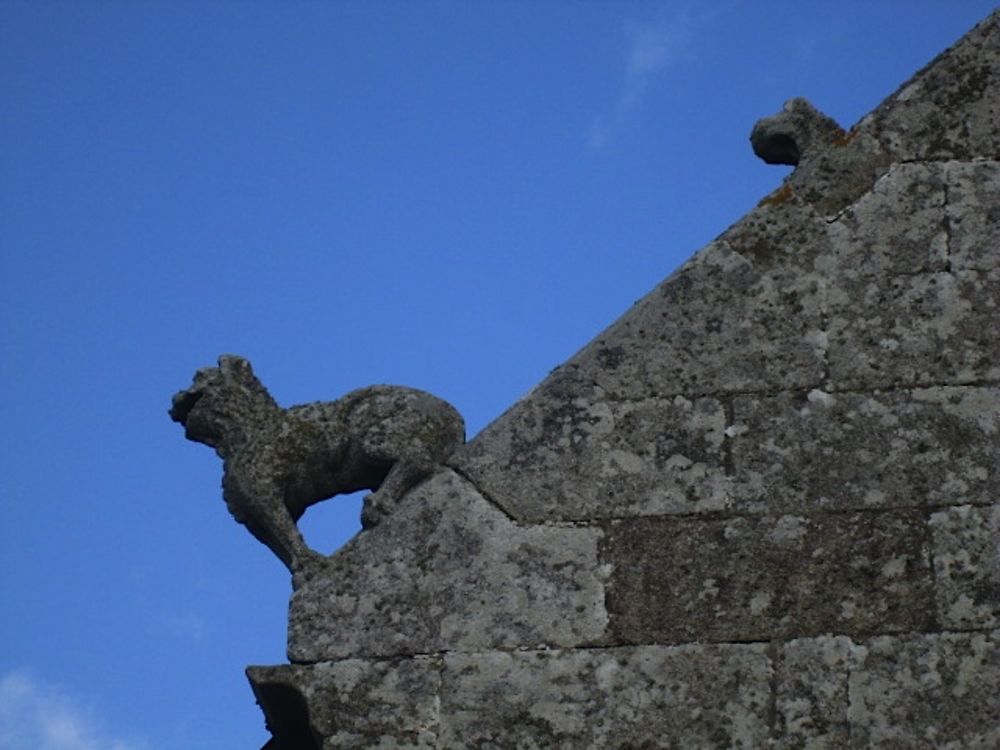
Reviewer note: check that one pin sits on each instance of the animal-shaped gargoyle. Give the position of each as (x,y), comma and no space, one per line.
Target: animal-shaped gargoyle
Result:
(277,462)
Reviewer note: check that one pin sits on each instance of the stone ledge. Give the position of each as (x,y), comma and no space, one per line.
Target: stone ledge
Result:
(350,703)
(919,691)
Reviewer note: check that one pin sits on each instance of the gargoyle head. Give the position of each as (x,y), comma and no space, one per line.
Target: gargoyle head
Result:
(220,403)
(793,134)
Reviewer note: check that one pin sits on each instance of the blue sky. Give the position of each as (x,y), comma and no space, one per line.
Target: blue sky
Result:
(451,195)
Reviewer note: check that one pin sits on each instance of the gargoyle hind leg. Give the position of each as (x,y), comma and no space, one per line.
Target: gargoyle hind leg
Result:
(402,477)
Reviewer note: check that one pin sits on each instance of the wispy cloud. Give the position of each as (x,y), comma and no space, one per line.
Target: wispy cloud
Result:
(36,716)
(187,627)
(652,48)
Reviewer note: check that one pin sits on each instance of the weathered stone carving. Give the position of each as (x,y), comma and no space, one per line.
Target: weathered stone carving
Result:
(788,136)
(277,462)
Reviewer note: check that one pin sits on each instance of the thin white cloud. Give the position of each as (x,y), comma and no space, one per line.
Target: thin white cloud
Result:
(187,627)
(35,716)
(652,48)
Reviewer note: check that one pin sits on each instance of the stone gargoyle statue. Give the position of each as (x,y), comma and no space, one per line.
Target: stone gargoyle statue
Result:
(794,133)
(277,462)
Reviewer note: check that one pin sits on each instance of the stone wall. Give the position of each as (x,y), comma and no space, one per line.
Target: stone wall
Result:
(762,509)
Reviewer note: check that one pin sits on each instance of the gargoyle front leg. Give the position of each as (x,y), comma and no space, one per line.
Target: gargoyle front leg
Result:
(263,511)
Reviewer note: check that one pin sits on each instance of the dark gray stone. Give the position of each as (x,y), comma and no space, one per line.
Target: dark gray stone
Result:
(683,698)
(350,704)
(761,578)
(802,452)
(926,692)
(836,177)
(966,543)
(783,237)
(722,323)
(718,325)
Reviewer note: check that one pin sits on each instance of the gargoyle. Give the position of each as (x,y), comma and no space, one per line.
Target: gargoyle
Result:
(277,462)
(794,133)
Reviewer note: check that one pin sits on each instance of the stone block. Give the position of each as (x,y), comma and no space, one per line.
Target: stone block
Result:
(571,454)
(966,543)
(914,330)
(351,703)
(898,227)
(837,451)
(811,697)
(913,691)
(449,570)
(783,235)
(766,577)
(686,697)
(973,213)
(926,692)
(717,325)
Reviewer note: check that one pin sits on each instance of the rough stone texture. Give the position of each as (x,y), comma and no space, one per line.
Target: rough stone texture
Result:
(898,227)
(399,701)
(761,578)
(925,329)
(594,457)
(950,109)
(973,215)
(647,697)
(798,452)
(927,692)
(451,572)
(637,394)
(721,324)
(920,692)
(811,695)
(966,543)
(760,510)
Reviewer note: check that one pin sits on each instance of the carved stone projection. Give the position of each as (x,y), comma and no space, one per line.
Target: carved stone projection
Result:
(277,462)
(760,510)
(795,133)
